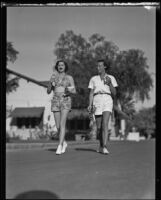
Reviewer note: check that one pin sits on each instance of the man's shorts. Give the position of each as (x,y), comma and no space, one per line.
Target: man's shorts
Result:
(59,103)
(102,103)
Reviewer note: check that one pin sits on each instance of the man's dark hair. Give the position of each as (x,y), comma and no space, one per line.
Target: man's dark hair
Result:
(65,63)
(106,64)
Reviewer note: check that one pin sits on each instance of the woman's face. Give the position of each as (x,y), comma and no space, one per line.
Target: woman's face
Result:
(61,67)
(100,67)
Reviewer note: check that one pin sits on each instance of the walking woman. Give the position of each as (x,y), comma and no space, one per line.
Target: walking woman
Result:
(63,87)
(102,88)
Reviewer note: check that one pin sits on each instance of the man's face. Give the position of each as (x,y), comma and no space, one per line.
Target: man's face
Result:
(100,67)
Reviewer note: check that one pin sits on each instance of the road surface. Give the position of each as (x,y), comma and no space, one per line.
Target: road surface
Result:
(128,172)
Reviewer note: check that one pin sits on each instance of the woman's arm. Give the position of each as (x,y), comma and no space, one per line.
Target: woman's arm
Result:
(72,85)
(52,83)
(49,89)
(71,89)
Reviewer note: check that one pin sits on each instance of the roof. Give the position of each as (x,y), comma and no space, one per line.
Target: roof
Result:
(28,112)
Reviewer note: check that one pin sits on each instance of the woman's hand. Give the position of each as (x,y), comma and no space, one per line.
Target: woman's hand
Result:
(53,84)
(66,92)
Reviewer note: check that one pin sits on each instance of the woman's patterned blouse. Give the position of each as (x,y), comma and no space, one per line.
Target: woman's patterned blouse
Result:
(65,82)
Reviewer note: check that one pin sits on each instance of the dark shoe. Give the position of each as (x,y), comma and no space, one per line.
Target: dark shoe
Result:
(99,150)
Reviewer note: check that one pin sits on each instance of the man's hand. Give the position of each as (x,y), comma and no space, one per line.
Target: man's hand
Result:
(89,108)
(107,80)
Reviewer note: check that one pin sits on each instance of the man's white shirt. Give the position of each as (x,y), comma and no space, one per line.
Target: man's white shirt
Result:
(98,85)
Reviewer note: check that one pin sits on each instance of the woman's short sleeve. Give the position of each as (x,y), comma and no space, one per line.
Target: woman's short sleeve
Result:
(71,80)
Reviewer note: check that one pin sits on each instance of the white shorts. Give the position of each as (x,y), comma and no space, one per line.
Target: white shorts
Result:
(102,102)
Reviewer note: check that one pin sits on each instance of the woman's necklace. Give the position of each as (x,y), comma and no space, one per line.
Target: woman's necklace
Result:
(61,78)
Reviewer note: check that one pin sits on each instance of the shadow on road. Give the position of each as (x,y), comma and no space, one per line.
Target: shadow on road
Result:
(53,149)
(85,149)
(37,194)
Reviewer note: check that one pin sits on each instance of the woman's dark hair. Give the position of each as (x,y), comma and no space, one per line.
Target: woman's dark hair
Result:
(57,63)
(106,64)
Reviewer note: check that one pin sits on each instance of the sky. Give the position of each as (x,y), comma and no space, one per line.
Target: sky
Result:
(34,32)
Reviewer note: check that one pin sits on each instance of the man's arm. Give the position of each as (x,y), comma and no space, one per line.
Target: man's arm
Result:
(91,94)
(112,89)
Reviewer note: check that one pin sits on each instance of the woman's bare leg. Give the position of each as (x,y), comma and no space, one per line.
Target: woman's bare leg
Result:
(63,119)
(57,120)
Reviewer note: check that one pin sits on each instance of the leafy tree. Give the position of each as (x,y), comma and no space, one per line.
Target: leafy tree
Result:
(11,83)
(81,56)
(129,67)
(144,120)
(11,53)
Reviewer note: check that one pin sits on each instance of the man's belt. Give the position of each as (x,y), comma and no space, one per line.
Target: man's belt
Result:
(102,93)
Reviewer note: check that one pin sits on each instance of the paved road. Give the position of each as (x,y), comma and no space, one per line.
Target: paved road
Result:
(128,172)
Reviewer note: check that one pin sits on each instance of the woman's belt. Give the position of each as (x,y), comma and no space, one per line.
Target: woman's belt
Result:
(102,93)
(59,94)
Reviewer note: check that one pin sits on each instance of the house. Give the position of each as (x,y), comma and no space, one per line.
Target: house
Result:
(28,117)
(25,119)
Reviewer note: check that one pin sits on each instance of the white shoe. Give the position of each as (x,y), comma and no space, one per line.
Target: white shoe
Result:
(105,151)
(59,149)
(64,147)
(100,150)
